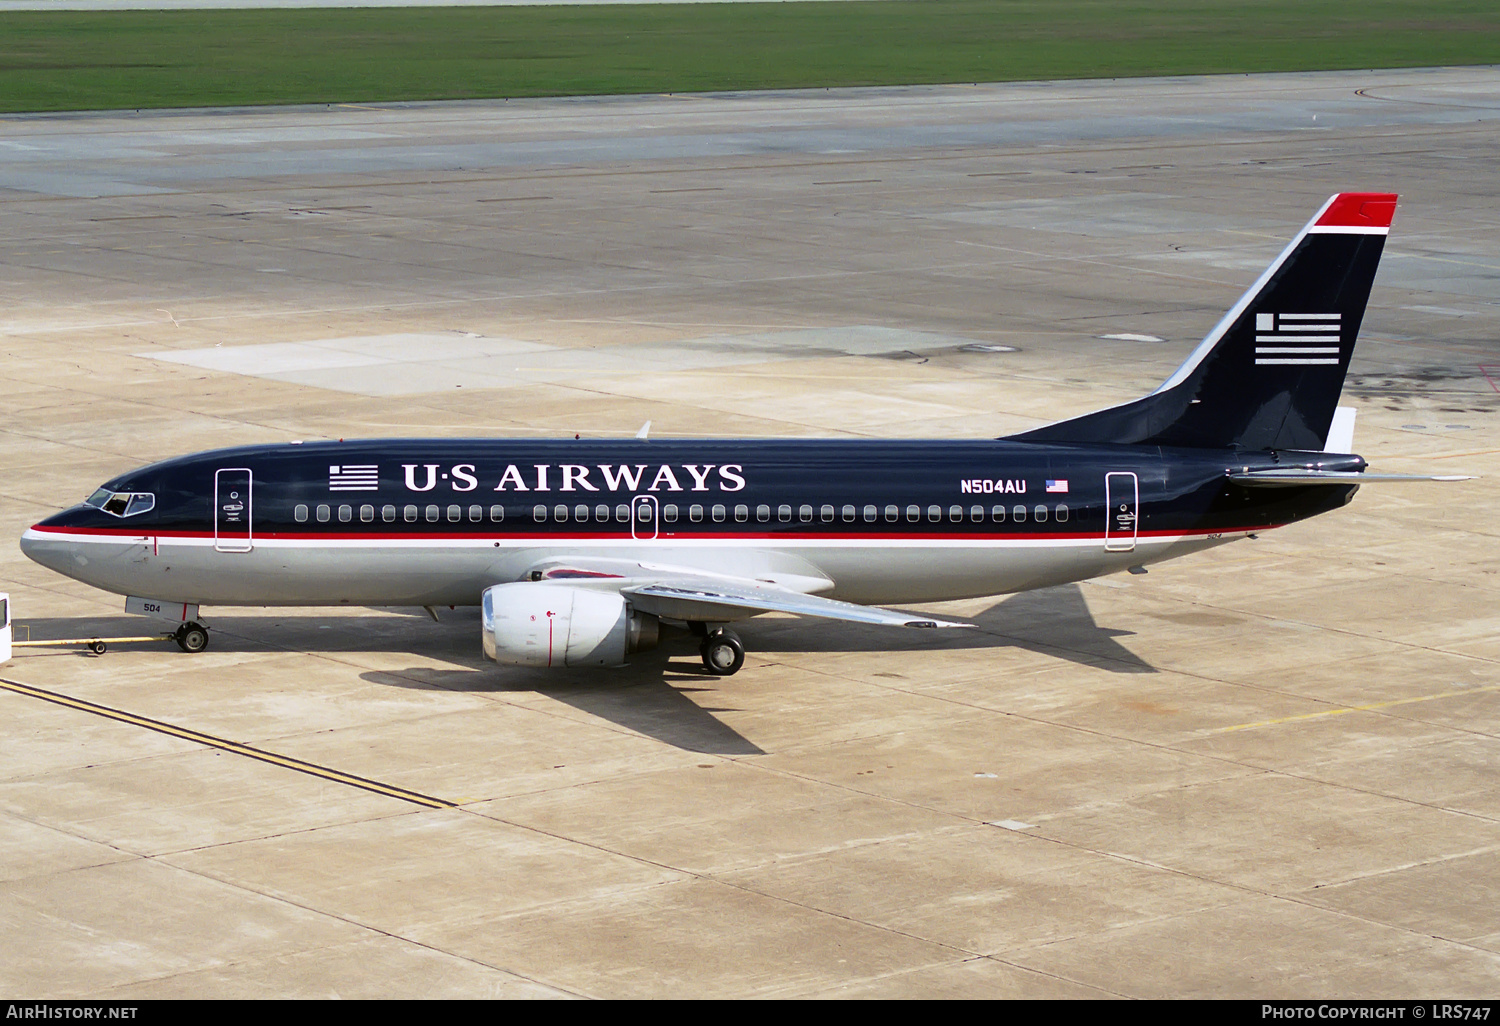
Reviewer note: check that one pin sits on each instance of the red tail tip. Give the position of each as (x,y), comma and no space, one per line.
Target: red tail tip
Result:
(1360,210)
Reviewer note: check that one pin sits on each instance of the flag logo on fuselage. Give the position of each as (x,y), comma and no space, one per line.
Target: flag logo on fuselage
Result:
(363,478)
(1297,339)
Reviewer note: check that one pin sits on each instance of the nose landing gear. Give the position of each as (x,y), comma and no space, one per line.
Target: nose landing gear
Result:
(191,637)
(723,652)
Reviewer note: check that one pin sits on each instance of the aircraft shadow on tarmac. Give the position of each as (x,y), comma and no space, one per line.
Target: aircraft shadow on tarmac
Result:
(661,695)
(1053,621)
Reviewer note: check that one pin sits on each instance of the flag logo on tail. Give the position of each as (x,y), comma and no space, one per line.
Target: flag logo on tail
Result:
(1058,487)
(364,478)
(1297,339)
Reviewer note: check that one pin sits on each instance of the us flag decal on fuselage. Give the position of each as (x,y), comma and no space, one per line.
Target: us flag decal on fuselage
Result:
(365,478)
(1297,339)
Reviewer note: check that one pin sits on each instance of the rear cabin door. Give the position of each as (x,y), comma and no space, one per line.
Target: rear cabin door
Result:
(1121,512)
(232,510)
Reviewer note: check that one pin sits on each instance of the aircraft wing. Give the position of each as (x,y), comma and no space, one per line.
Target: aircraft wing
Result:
(711,600)
(692,593)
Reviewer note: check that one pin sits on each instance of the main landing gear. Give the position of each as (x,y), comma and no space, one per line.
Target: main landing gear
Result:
(723,652)
(191,637)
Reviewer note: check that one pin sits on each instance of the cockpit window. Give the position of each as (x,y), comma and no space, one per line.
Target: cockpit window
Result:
(121,504)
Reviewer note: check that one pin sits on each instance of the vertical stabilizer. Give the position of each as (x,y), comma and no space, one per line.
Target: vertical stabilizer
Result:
(1268,376)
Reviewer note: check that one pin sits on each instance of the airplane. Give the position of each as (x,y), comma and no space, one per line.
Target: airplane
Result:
(579,551)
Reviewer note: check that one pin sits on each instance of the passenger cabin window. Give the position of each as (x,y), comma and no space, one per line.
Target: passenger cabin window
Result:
(669,513)
(539,514)
(601,513)
(826,514)
(763,514)
(366,513)
(849,514)
(934,513)
(1018,513)
(476,513)
(388,514)
(976,513)
(997,514)
(346,514)
(559,513)
(892,514)
(955,513)
(695,514)
(784,514)
(324,513)
(299,513)
(1062,514)
(1040,513)
(914,513)
(409,514)
(804,514)
(581,513)
(741,514)
(718,514)
(622,514)
(432,514)
(455,514)
(870,513)
(497,513)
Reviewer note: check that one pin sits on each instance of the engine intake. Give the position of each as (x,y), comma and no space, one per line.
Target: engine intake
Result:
(544,624)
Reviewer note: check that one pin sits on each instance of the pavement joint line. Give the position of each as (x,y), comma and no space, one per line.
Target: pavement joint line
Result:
(1356,708)
(165,858)
(226,745)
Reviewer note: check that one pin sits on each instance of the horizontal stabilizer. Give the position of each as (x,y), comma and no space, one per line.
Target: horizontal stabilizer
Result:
(1294,477)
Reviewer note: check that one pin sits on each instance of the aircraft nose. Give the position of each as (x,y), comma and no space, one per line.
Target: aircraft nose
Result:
(43,547)
(45,542)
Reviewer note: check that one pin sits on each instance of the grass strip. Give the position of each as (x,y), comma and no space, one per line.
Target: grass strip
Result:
(51,61)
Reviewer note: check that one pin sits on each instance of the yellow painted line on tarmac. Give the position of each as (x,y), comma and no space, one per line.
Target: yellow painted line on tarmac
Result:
(1357,708)
(226,745)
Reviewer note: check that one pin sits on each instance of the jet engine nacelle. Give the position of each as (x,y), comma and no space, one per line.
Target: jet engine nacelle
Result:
(541,624)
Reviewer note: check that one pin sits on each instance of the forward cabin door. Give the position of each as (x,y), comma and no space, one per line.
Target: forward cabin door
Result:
(232,510)
(1122,493)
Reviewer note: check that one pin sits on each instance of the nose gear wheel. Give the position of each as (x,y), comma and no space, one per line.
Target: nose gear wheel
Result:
(191,637)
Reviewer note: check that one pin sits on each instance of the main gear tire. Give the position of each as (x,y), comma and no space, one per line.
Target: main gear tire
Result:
(723,653)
